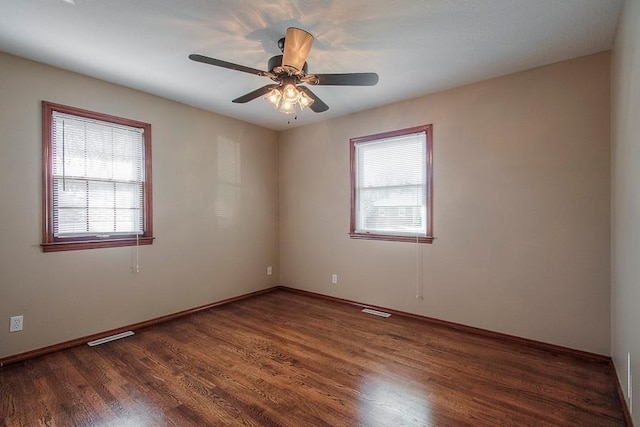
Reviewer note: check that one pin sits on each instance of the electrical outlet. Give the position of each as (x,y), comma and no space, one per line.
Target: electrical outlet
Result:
(269,270)
(334,279)
(15,323)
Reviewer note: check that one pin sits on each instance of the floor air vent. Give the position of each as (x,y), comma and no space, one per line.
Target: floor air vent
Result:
(110,338)
(376,312)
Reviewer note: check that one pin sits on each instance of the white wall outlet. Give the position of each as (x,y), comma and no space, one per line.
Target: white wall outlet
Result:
(15,323)
(334,279)
(269,270)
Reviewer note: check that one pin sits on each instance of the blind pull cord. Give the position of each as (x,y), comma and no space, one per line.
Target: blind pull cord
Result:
(418,272)
(419,254)
(137,252)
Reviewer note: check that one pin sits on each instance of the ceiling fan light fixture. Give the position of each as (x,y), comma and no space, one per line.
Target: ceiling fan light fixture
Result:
(290,93)
(304,100)
(286,98)
(274,97)
(287,107)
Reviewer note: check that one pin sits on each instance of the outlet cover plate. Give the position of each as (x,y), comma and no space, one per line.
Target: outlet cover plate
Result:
(15,323)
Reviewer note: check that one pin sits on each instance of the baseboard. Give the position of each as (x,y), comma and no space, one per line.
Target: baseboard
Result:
(83,340)
(553,348)
(623,401)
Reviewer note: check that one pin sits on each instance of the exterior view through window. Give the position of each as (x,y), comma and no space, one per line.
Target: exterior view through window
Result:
(391,186)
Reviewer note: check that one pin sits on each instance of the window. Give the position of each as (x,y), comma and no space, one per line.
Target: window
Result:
(391,186)
(96,180)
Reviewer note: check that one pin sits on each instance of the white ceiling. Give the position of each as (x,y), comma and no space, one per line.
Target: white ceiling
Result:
(416,46)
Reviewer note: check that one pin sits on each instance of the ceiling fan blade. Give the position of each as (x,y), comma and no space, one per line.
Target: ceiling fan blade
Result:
(224,64)
(349,79)
(318,106)
(297,44)
(255,94)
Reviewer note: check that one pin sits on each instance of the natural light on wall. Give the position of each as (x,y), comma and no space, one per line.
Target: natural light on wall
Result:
(229,180)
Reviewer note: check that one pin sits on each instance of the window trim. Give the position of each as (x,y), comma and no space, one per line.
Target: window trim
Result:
(428,236)
(50,243)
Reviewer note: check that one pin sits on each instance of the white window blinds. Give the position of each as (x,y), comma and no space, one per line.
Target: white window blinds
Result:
(98,178)
(391,185)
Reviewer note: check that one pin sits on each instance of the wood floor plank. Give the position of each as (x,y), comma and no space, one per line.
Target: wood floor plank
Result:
(285,359)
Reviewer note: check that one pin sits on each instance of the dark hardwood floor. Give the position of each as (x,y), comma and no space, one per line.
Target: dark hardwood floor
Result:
(292,360)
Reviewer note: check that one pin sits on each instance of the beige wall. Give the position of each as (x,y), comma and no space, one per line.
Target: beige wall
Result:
(213,240)
(625,167)
(521,208)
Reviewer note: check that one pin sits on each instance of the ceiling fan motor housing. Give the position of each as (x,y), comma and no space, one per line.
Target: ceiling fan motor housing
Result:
(275,66)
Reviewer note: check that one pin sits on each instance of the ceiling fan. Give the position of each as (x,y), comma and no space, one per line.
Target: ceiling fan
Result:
(289,72)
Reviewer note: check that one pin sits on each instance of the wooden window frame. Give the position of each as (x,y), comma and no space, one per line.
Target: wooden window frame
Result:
(50,243)
(428,236)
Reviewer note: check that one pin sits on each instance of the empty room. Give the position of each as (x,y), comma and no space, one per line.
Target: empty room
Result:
(319,213)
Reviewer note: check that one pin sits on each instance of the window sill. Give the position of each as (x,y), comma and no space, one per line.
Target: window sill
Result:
(95,244)
(392,238)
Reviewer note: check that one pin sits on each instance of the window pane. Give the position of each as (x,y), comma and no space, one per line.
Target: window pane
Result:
(128,158)
(69,193)
(127,195)
(70,151)
(126,220)
(397,209)
(101,194)
(98,151)
(71,221)
(394,162)
(101,220)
